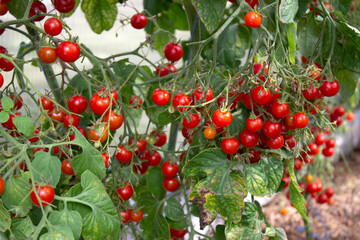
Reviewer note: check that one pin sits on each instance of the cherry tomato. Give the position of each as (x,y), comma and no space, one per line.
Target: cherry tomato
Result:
(330,143)
(286,180)
(18,102)
(138,21)
(64,6)
(125,216)
(47,55)
(171,184)
(230,145)
(77,104)
(106,159)
(1,80)
(255,155)
(34,138)
(275,143)
(313,149)
(46,103)
(45,193)
(350,116)
(339,111)
(253,19)
(328,152)
(160,97)
(311,93)
(53,26)
(2,185)
(284,211)
(271,129)
(3,8)
(99,133)
(160,138)
(154,159)
(68,51)
(329,89)
(322,198)
(165,70)
(5,64)
(169,170)
(180,101)
(142,168)
(290,141)
(173,52)
(298,164)
(280,110)
(66,168)
(254,125)
(192,121)
(260,95)
(116,120)
(36,8)
(320,139)
(71,120)
(252,3)
(136,216)
(248,139)
(99,103)
(329,192)
(141,145)
(57,115)
(209,133)
(222,118)
(200,97)
(135,101)
(123,155)
(312,188)
(126,192)
(9,124)
(300,120)
(178,233)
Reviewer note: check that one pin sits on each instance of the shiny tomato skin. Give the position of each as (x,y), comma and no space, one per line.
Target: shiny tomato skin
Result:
(329,89)
(141,144)
(77,104)
(192,121)
(106,159)
(310,93)
(47,55)
(254,125)
(66,168)
(173,52)
(125,216)
(248,102)
(2,185)
(313,149)
(64,6)
(260,95)
(209,133)
(138,21)
(160,97)
(253,19)
(136,216)
(230,145)
(160,138)
(125,193)
(1,79)
(123,155)
(53,26)
(3,8)
(312,188)
(280,110)
(171,184)
(35,8)
(248,139)
(252,3)
(169,170)
(271,129)
(322,198)
(297,164)
(320,139)
(68,51)
(45,193)
(9,124)
(222,119)
(275,143)
(155,159)
(180,101)
(200,97)
(99,104)
(350,116)
(339,111)
(98,134)
(46,103)
(142,168)
(18,102)
(116,120)
(290,142)
(300,120)
(330,143)
(71,120)
(328,152)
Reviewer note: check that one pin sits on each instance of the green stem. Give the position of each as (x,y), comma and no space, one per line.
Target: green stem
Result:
(308,229)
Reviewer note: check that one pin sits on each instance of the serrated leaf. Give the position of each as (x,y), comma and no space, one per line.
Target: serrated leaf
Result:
(347,79)
(210,12)
(298,200)
(58,232)
(288,10)
(255,179)
(46,168)
(24,124)
(154,177)
(5,219)
(72,219)
(22,228)
(90,158)
(100,14)
(291,36)
(173,210)
(7,103)
(4,116)
(273,168)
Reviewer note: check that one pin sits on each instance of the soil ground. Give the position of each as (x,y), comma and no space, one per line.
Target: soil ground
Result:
(342,219)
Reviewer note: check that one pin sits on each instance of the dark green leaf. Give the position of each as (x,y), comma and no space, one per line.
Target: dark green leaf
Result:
(303,7)
(22,228)
(341,5)
(255,179)
(288,10)
(24,124)
(46,168)
(165,23)
(17,7)
(147,201)
(7,103)
(178,16)
(154,177)
(72,219)
(210,12)
(173,210)
(5,219)
(220,232)
(290,167)
(297,199)
(273,168)
(160,41)
(291,36)
(177,225)
(4,116)
(347,79)
(100,14)
(249,215)
(308,35)
(165,118)
(155,226)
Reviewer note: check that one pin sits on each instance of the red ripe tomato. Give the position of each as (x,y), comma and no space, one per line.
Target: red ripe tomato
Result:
(2,185)
(160,138)
(1,80)
(64,6)
(252,3)
(138,21)
(253,19)
(339,111)
(45,193)
(230,145)
(47,55)
(322,198)
(9,124)
(71,120)
(329,192)
(313,149)
(116,120)
(141,145)
(169,170)
(256,154)
(3,8)
(126,192)
(106,159)
(154,159)
(311,93)
(286,180)
(173,52)
(178,233)
(68,51)
(160,97)
(312,188)
(290,141)
(298,164)
(248,139)
(300,120)
(187,133)
(18,102)
(57,115)
(320,139)
(330,143)
(171,184)
(36,8)
(35,138)
(135,101)
(350,116)
(199,95)
(66,168)
(275,143)
(248,102)
(99,103)
(123,155)
(125,216)
(164,71)
(235,98)
(53,26)
(221,118)
(98,133)
(77,104)
(329,89)
(142,168)
(180,101)
(192,121)
(271,129)
(280,110)
(260,95)
(136,216)
(328,152)
(5,64)
(46,103)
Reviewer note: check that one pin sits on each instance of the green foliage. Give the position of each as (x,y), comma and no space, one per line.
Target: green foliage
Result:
(210,12)
(47,168)
(288,10)
(5,219)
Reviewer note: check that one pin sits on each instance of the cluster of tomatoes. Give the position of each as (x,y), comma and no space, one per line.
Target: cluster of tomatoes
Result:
(315,189)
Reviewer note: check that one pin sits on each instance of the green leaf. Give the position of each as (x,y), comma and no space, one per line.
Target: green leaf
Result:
(288,10)
(46,168)
(160,41)
(243,232)
(297,199)
(24,124)
(165,23)
(4,116)
(290,167)
(178,16)
(22,228)
(177,225)
(255,179)
(7,103)
(16,195)
(17,7)
(210,12)
(341,5)
(90,158)
(100,14)
(155,226)
(78,85)
(173,210)
(102,222)
(5,219)
(72,219)
(347,79)
(77,2)
(220,232)
(280,234)
(273,168)
(249,213)
(308,33)
(291,36)
(238,122)
(147,201)
(58,232)
(303,7)
(155,177)
(165,118)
